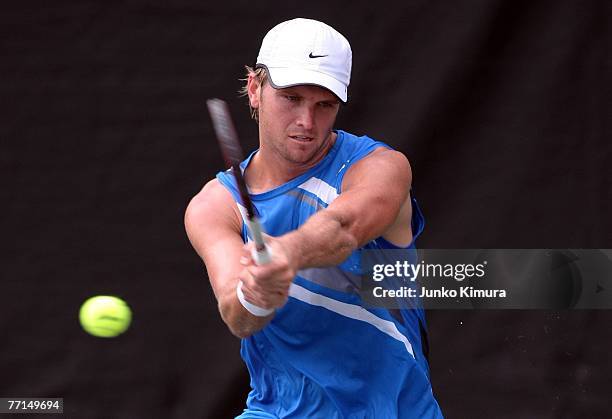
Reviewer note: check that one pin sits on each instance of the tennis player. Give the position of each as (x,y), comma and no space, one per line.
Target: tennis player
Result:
(322,194)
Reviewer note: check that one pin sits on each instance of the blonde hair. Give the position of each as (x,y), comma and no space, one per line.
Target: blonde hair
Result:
(261,76)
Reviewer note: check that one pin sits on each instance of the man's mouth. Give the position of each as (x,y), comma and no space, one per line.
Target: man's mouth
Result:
(301,138)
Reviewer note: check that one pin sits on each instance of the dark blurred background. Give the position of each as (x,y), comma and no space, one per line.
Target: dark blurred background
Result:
(502,106)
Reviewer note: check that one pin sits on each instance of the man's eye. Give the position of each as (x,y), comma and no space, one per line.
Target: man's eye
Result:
(292,98)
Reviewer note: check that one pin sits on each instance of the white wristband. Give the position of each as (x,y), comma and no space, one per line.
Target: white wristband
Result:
(252,308)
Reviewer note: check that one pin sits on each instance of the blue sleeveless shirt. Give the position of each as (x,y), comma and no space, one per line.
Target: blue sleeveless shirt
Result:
(324,355)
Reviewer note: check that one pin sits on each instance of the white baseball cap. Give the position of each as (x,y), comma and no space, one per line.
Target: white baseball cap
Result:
(306,51)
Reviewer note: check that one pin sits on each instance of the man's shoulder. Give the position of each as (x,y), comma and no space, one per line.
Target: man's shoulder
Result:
(357,146)
(350,138)
(213,201)
(354,149)
(381,161)
(212,191)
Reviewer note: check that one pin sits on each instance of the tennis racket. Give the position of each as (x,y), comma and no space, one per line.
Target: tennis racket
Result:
(232,153)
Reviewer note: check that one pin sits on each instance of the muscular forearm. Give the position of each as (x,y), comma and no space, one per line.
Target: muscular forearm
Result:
(325,239)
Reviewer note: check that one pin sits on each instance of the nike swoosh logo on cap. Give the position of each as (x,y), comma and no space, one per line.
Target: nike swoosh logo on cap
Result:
(316,56)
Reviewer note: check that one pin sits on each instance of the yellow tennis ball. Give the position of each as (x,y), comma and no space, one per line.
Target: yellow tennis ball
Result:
(105,316)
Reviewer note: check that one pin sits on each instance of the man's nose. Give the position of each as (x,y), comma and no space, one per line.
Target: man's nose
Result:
(305,117)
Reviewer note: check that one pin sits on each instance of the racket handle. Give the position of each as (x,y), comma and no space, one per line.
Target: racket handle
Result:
(261,257)
(261,253)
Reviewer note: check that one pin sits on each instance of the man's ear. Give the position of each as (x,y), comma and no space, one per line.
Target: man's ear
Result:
(254,91)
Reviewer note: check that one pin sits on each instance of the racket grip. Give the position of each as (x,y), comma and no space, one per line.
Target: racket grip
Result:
(261,253)
(261,257)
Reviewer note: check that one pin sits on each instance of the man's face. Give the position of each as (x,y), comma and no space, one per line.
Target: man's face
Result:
(295,122)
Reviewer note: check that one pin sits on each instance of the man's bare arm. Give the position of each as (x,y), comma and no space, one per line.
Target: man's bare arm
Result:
(213,226)
(373,191)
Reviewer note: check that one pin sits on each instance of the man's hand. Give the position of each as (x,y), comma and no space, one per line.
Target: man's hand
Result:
(267,286)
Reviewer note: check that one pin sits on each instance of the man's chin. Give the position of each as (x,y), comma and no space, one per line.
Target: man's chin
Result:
(299,157)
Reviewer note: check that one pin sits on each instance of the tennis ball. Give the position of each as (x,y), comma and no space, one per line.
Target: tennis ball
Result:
(105,316)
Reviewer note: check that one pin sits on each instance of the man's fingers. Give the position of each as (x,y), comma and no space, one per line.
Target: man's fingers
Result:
(255,298)
(262,296)
(266,286)
(264,300)
(249,282)
(247,258)
(267,278)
